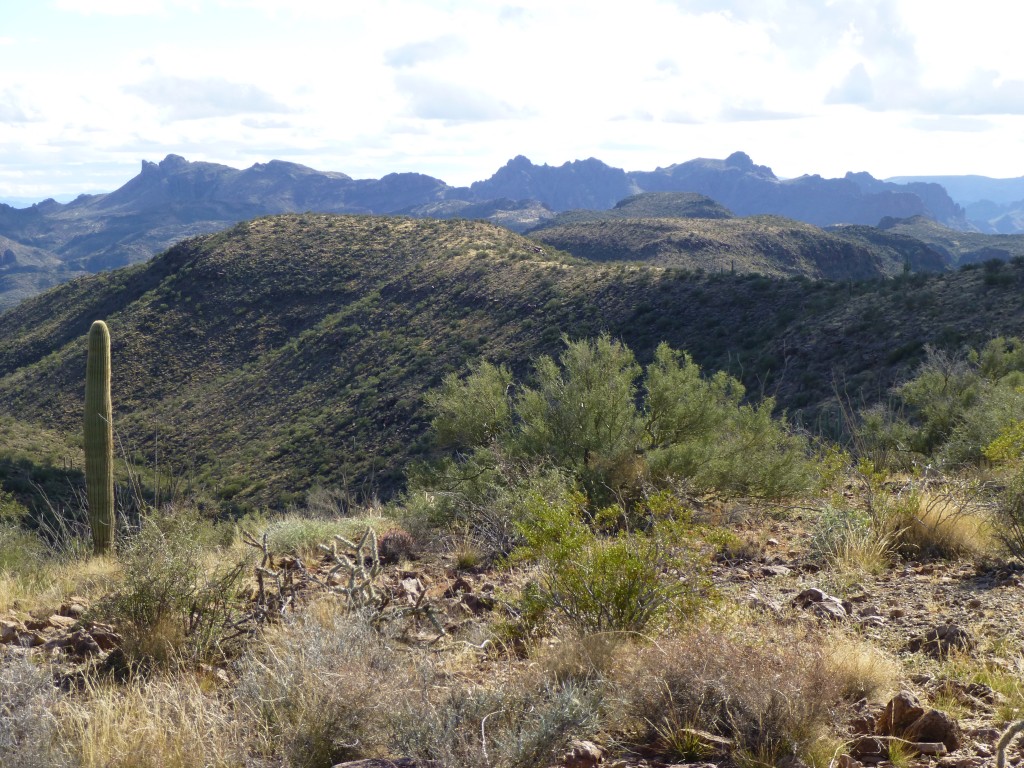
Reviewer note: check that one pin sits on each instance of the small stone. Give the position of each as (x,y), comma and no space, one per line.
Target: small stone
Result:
(74,608)
(478,603)
(829,609)
(808,596)
(845,761)
(943,639)
(459,585)
(765,604)
(583,754)
(10,631)
(897,613)
(869,749)
(83,644)
(105,636)
(58,621)
(932,749)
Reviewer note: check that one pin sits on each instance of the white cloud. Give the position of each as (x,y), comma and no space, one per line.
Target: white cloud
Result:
(411,54)
(112,7)
(181,98)
(748,113)
(13,109)
(856,88)
(432,99)
(954,124)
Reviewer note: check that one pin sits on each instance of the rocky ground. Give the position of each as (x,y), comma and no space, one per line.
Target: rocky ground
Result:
(937,618)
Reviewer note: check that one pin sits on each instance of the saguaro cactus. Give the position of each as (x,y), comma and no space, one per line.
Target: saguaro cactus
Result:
(99,439)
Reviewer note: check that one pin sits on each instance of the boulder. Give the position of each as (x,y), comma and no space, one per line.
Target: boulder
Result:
(935,726)
(900,713)
(940,641)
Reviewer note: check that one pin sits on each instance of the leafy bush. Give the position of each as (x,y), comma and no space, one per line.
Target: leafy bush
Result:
(622,583)
(588,416)
(1009,515)
(954,410)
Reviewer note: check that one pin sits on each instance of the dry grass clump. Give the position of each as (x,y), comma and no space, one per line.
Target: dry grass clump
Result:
(771,692)
(515,724)
(329,687)
(301,535)
(36,574)
(850,541)
(943,524)
(321,690)
(859,669)
(28,726)
(154,723)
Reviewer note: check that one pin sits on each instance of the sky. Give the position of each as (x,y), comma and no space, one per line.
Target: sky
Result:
(455,88)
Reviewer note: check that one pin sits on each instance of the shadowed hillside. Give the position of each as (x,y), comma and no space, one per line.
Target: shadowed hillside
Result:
(956,246)
(295,350)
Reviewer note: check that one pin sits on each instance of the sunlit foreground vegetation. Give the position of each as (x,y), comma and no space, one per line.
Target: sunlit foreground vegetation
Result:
(564,567)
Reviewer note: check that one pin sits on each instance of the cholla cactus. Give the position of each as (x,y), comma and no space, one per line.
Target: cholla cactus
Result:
(359,590)
(99,440)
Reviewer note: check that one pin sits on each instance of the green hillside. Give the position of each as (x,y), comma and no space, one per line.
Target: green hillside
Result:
(766,245)
(294,351)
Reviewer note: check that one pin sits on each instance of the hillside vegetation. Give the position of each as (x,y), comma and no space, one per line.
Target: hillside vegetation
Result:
(616,530)
(764,245)
(956,246)
(294,351)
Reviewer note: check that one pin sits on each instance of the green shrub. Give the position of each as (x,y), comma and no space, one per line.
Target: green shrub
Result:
(953,410)
(1009,516)
(597,584)
(614,433)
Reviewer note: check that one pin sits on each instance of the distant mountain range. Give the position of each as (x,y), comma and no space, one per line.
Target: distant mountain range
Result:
(994,206)
(50,242)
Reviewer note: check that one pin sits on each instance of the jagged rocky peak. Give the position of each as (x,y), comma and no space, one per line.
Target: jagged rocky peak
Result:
(740,160)
(169,164)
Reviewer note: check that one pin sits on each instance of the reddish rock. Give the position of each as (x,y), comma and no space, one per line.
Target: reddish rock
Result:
(936,726)
(900,713)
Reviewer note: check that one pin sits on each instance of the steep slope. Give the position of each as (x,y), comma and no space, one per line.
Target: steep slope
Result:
(295,350)
(898,251)
(646,205)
